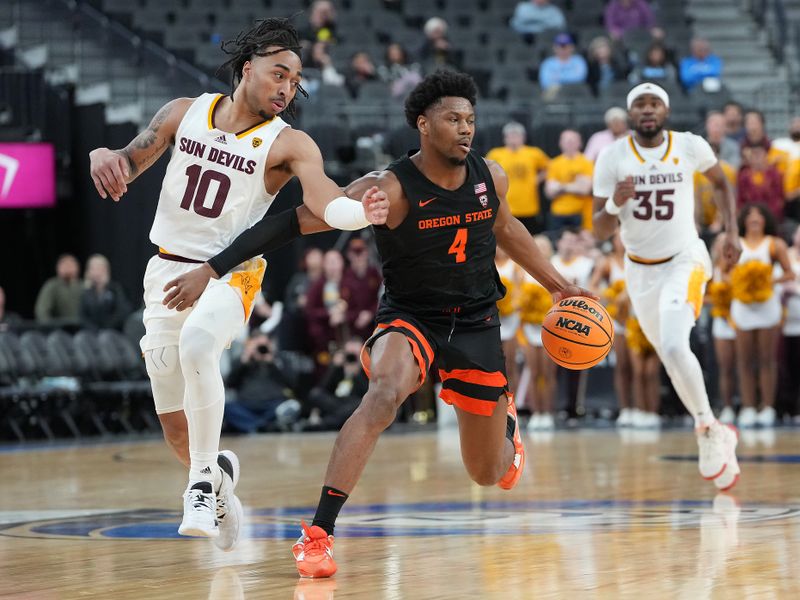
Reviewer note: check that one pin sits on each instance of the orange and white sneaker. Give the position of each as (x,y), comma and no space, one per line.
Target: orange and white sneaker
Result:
(313,552)
(717,455)
(514,472)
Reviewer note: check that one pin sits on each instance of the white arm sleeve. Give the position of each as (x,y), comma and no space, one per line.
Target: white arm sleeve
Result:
(605,176)
(345,213)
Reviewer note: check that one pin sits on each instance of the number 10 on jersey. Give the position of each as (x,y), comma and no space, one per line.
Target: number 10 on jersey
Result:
(197,189)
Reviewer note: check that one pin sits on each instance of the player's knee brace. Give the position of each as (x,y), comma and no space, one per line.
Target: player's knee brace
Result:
(164,369)
(199,351)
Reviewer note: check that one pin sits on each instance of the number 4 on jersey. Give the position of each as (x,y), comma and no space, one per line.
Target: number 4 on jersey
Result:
(459,245)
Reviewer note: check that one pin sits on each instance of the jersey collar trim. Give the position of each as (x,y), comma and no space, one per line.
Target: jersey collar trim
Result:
(212,109)
(640,158)
(246,132)
(239,135)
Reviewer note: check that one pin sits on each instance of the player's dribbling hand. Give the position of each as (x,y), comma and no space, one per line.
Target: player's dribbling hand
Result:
(572,290)
(184,291)
(376,205)
(109,171)
(624,191)
(731,247)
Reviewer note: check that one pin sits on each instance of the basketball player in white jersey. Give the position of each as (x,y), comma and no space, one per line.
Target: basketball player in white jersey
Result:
(644,183)
(232,154)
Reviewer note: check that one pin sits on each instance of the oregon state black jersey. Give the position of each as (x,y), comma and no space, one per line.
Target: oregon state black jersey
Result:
(440,259)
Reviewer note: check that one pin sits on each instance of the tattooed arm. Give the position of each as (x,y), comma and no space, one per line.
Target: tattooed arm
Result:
(112,170)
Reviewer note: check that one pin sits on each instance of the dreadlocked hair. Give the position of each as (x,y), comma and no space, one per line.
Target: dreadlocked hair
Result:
(441,84)
(254,42)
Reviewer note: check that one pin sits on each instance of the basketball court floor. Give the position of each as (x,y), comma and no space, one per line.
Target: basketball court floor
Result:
(597,514)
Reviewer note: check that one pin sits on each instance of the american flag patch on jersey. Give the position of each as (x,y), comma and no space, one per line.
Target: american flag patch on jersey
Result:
(480,188)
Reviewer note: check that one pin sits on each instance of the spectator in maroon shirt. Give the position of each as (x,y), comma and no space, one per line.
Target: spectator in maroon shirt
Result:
(758,181)
(362,281)
(326,308)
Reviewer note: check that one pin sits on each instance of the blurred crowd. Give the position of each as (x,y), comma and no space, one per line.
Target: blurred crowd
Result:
(634,47)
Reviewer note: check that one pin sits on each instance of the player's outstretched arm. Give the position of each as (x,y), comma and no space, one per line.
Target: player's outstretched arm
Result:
(726,204)
(321,194)
(515,240)
(113,170)
(270,233)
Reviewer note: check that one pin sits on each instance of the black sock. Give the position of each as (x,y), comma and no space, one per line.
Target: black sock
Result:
(330,503)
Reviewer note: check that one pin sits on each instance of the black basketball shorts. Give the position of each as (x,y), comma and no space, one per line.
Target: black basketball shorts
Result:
(468,355)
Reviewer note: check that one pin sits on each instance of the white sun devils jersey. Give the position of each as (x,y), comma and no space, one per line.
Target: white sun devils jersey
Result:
(214,186)
(658,222)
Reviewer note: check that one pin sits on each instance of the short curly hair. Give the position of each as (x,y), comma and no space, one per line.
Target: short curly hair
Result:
(441,84)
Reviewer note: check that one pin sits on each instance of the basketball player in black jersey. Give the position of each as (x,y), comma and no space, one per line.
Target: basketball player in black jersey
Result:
(447,214)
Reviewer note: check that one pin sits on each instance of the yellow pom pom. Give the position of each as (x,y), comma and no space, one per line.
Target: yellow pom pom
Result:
(535,301)
(616,308)
(509,303)
(752,282)
(637,340)
(720,295)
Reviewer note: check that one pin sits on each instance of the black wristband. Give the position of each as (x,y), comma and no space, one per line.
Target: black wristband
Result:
(270,233)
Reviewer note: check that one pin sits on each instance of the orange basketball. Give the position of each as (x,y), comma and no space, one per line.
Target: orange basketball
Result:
(577,333)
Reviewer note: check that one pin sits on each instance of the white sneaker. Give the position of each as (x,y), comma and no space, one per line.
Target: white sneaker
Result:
(766,417)
(748,417)
(547,422)
(229,508)
(625,418)
(730,476)
(727,416)
(653,420)
(199,511)
(717,450)
(639,419)
(534,423)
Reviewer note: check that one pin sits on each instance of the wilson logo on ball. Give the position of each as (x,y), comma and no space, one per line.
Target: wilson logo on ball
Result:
(573,325)
(577,332)
(582,305)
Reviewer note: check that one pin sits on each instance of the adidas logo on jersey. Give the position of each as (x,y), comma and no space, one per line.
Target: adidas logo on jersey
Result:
(221,139)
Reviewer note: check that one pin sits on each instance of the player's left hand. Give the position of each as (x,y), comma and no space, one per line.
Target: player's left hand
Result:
(184,291)
(731,247)
(572,290)
(376,205)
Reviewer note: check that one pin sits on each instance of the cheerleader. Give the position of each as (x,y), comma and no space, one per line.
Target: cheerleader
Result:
(718,295)
(791,328)
(511,276)
(646,369)
(610,270)
(576,267)
(756,312)
(535,301)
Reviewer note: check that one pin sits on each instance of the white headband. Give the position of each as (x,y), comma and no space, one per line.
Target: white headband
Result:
(648,88)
